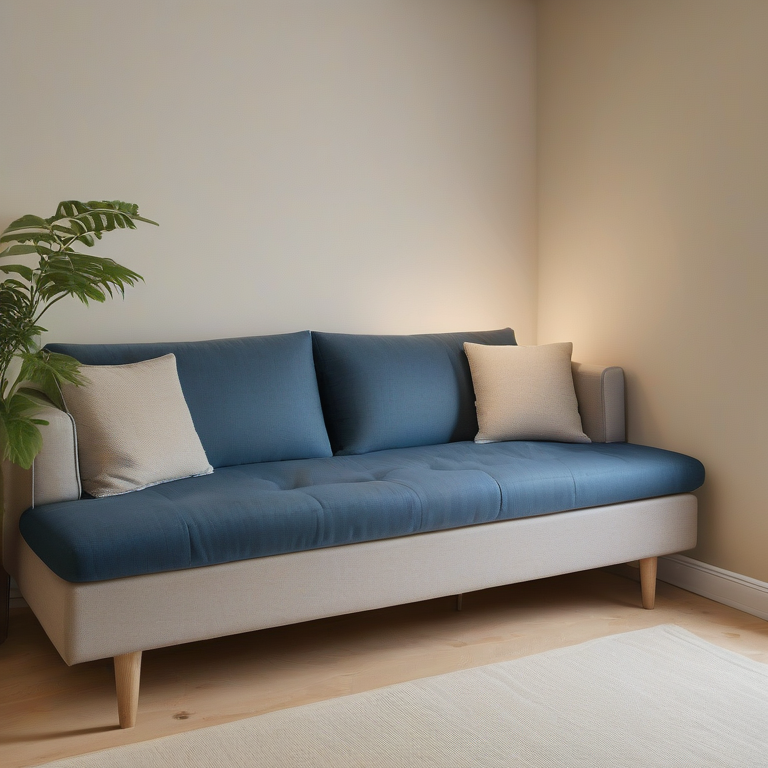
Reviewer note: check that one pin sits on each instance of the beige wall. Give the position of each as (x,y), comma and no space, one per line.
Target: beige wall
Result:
(338,165)
(654,232)
(369,166)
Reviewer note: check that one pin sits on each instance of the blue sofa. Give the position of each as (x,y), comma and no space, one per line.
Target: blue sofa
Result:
(346,478)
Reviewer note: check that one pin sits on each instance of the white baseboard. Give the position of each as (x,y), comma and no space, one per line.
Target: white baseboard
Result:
(742,592)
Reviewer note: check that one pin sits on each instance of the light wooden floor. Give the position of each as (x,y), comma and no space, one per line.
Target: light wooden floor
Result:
(49,710)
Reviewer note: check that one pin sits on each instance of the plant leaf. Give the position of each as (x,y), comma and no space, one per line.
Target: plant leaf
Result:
(27,235)
(18,269)
(26,293)
(20,437)
(39,397)
(27,222)
(18,250)
(97,216)
(49,370)
(85,276)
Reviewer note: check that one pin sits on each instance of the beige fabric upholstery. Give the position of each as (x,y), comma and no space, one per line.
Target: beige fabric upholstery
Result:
(600,391)
(134,427)
(101,619)
(56,475)
(525,393)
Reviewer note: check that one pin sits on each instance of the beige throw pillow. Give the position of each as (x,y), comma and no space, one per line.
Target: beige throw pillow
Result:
(134,428)
(525,393)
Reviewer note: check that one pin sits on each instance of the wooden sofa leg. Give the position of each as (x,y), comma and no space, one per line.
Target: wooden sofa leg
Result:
(648,581)
(127,675)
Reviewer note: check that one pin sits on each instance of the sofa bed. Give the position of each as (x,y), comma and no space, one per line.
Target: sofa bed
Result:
(345,477)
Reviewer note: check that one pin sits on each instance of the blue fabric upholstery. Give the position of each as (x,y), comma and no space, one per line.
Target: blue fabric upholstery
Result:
(264,509)
(251,399)
(382,392)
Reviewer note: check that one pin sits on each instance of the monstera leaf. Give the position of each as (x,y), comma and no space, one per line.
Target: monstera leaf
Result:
(28,291)
(19,430)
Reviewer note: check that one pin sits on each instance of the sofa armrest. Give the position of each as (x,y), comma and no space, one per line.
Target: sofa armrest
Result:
(55,476)
(600,392)
(56,472)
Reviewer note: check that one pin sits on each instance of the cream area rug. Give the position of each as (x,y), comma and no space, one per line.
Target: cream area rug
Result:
(656,697)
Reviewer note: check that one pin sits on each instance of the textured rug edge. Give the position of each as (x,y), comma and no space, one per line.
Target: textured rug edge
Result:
(669,630)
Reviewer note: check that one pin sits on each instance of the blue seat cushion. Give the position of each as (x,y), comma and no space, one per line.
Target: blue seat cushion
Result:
(382,392)
(271,508)
(251,399)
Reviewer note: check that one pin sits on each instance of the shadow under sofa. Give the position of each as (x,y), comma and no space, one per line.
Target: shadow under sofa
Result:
(345,480)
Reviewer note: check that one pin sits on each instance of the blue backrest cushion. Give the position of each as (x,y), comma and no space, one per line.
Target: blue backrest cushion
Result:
(252,399)
(381,392)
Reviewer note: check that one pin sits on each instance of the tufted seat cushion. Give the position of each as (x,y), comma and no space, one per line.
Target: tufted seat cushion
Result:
(256,510)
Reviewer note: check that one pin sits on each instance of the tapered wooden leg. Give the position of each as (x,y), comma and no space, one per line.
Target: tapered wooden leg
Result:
(459,602)
(648,581)
(127,675)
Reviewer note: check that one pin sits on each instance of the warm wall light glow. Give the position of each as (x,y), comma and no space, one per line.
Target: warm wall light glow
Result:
(653,182)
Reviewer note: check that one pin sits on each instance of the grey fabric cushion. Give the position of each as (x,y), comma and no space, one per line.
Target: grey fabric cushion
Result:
(134,427)
(525,393)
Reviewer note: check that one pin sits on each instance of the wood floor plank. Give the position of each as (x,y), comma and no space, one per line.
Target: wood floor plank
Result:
(49,710)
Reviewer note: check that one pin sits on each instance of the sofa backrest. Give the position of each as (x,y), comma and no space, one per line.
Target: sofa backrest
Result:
(382,392)
(252,399)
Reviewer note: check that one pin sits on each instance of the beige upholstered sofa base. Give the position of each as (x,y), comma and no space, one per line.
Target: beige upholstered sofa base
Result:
(111,618)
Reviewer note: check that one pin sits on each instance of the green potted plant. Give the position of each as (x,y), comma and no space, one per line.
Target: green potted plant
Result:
(51,268)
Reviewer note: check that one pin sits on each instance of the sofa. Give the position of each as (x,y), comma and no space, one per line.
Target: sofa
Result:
(345,478)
